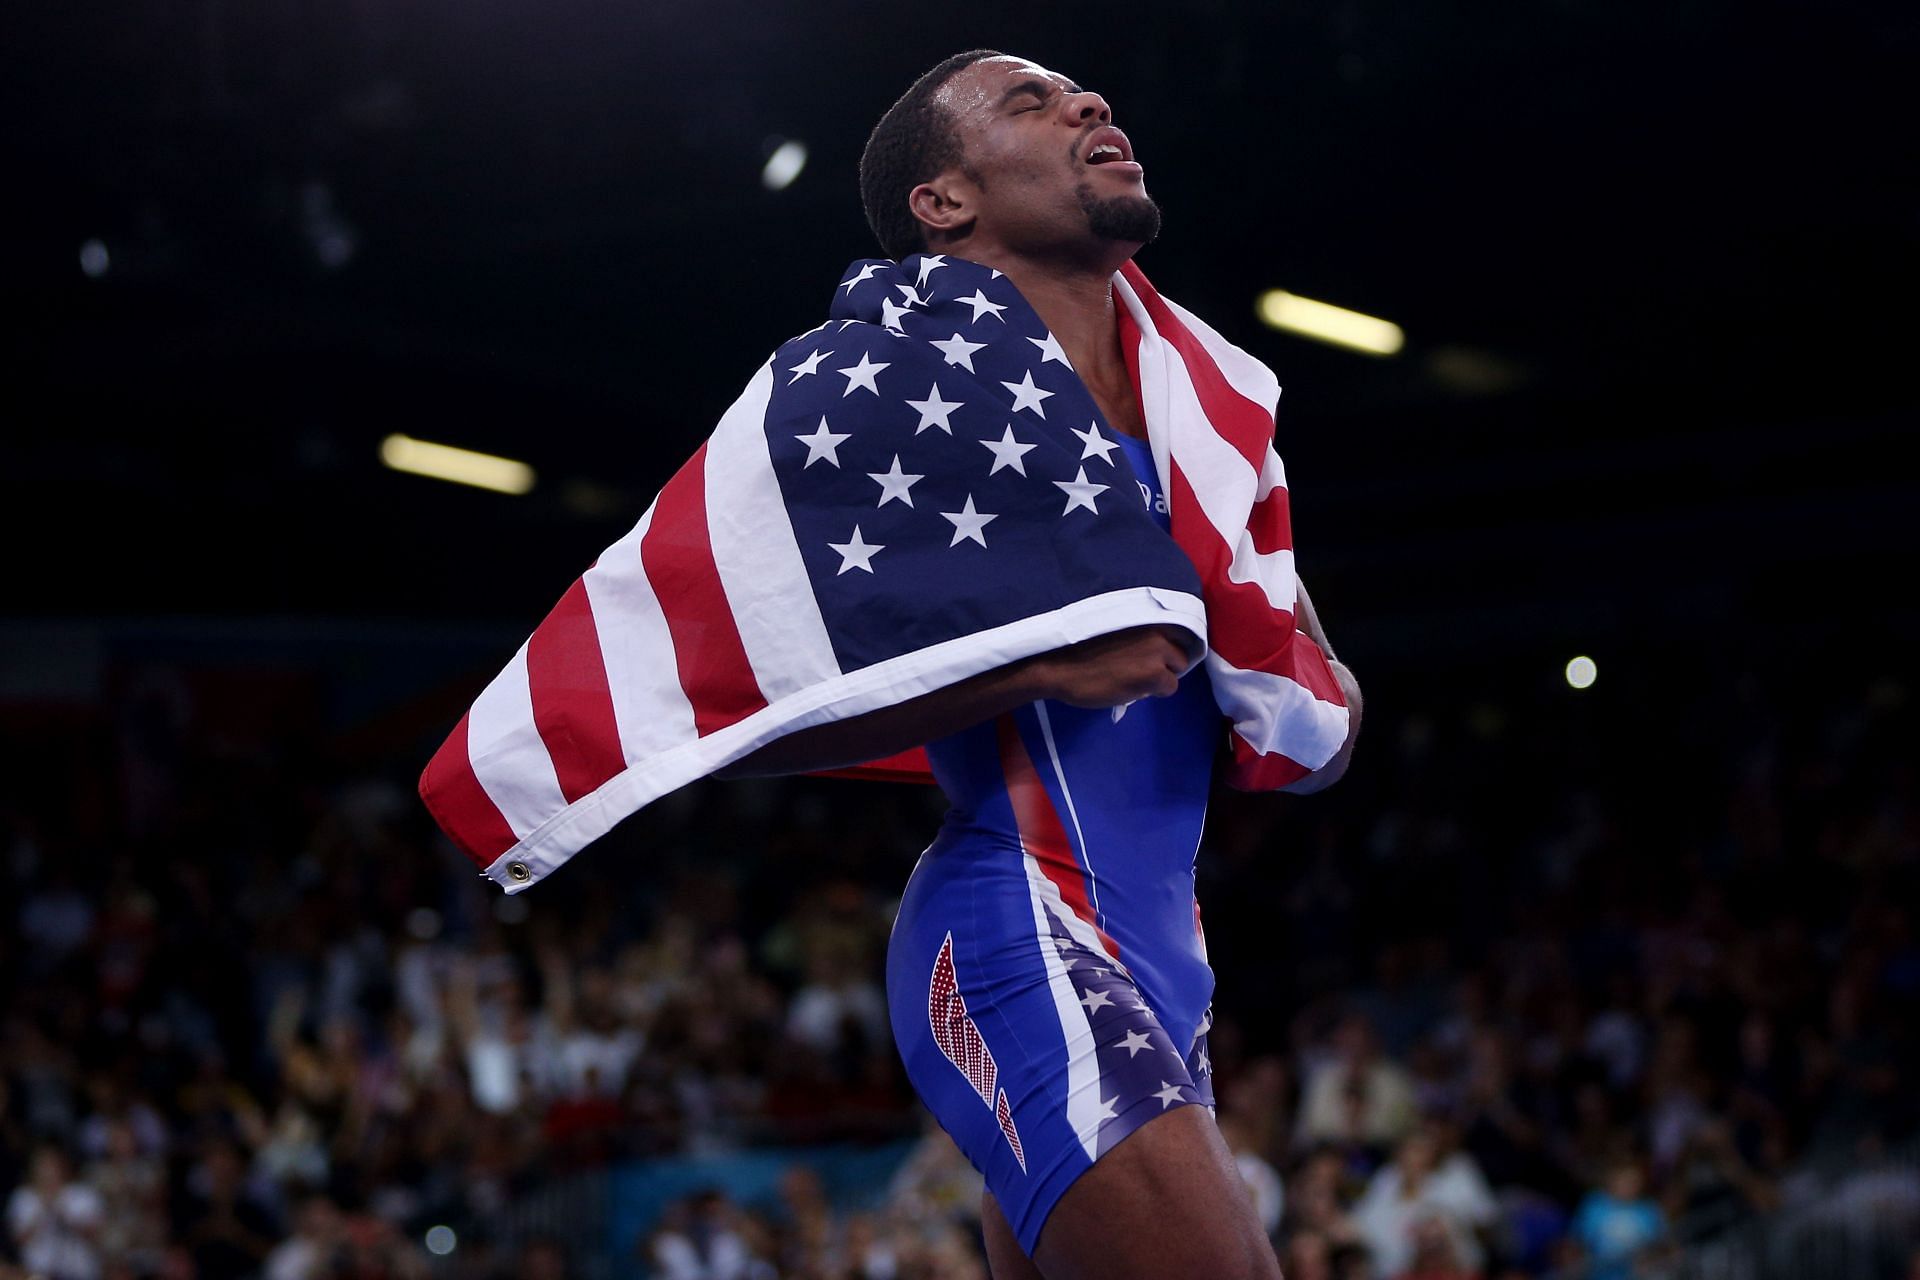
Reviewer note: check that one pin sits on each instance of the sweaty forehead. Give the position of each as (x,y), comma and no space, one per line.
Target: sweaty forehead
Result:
(980,86)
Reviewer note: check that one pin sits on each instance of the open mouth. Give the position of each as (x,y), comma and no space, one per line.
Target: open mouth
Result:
(1110,146)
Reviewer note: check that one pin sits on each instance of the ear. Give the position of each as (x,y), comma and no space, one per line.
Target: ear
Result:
(945,206)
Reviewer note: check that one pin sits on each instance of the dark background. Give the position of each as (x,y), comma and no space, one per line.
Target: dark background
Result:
(1653,262)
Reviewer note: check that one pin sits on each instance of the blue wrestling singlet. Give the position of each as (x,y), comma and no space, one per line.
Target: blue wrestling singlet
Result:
(1047,979)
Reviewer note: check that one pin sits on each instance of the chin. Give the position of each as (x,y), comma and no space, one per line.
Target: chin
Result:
(1132,218)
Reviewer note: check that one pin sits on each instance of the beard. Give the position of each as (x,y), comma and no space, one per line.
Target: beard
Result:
(1131,218)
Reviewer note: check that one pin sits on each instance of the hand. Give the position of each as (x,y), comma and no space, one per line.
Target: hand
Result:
(1110,670)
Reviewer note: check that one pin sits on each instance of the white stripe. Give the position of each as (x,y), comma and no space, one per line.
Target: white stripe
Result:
(1079,837)
(1273,571)
(1245,374)
(1273,476)
(1278,714)
(650,710)
(754,548)
(1219,475)
(508,756)
(1083,1063)
(1153,386)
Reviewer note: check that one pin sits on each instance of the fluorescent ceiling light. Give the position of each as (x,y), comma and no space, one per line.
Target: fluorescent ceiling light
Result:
(1324,322)
(460,466)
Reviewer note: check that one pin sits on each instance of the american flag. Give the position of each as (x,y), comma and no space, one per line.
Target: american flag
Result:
(917,491)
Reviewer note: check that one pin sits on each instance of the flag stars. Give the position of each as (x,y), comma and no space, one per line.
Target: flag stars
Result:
(1080,492)
(1026,395)
(821,444)
(911,295)
(968,524)
(929,264)
(890,315)
(856,553)
(983,306)
(958,350)
(1136,1041)
(1050,350)
(1168,1093)
(866,273)
(1007,452)
(1097,445)
(810,365)
(1107,1111)
(895,483)
(934,412)
(861,375)
(1095,1000)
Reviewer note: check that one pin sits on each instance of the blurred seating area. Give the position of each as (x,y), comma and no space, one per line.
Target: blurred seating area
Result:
(1541,986)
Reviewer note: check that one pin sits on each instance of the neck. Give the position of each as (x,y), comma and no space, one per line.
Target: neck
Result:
(1074,299)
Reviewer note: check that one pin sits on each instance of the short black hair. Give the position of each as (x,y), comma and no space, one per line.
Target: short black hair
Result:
(914,141)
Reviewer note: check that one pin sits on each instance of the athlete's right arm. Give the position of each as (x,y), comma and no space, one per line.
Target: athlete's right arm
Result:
(1106,671)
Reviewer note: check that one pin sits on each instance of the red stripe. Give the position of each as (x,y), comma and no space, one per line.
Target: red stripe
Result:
(1041,832)
(1270,523)
(572,705)
(1245,425)
(453,795)
(907,766)
(1251,771)
(678,560)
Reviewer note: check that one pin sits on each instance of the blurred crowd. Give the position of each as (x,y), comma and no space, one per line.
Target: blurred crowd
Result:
(1536,988)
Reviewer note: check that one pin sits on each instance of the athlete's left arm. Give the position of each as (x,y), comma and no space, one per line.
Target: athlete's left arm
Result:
(1330,772)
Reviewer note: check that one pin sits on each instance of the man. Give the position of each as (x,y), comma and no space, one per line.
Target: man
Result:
(851,568)
(1004,163)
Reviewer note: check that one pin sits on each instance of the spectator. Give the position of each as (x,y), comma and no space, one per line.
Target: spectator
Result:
(55,1221)
(1617,1223)
(1357,1095)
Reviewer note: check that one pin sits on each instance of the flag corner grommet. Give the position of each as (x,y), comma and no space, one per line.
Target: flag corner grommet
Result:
(519,871)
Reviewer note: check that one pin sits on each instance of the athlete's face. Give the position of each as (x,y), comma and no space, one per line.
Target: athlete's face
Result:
(1045,167)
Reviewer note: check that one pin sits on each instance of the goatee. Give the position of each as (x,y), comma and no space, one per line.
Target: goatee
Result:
(1131,218)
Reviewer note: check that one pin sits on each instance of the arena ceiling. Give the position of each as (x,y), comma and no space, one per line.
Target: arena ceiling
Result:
(1653,262)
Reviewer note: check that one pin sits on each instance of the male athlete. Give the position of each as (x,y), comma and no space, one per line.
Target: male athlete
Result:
(1080,1049)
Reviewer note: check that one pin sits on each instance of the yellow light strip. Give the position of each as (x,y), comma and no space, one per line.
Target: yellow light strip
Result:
(1324,322)
(460,466)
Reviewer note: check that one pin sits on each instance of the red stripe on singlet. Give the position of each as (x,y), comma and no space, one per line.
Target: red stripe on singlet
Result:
(1041,832)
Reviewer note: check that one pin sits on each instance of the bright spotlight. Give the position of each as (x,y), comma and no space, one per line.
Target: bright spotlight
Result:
(460,466)
(441,1240)
(784,165)
(1581,672)
(94,260)
(1324,322)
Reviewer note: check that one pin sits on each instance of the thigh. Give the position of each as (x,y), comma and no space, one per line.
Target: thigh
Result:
(1006,1260)
(1166,1201)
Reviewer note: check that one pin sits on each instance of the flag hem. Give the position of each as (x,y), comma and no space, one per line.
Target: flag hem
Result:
(872,688)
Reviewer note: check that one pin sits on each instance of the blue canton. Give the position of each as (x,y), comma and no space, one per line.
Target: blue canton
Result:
(944,468)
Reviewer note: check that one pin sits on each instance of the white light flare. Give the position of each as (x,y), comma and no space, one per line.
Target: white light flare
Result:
(1324,322)
(1582,672)
(784,165)
(456,465)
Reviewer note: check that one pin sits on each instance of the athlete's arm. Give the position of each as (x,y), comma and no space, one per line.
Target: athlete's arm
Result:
(1330,772)
(1106,671)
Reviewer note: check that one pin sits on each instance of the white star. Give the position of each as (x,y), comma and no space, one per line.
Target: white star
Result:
(1080,492)
(959,351)
(1168,1093)
(1007,452)
(856,553)
(810,365)
(968,523)
(1106,1110)
(1097,444)
(1205,1065)
(1050,350)
(929,264)
(996,275)
(861,375)
(866,273)
(934,411)
(1136,1041)
(913,298)
(1026,395)
(821,444)
(890,314)
(895,483)
(1094,999)
(982,305)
